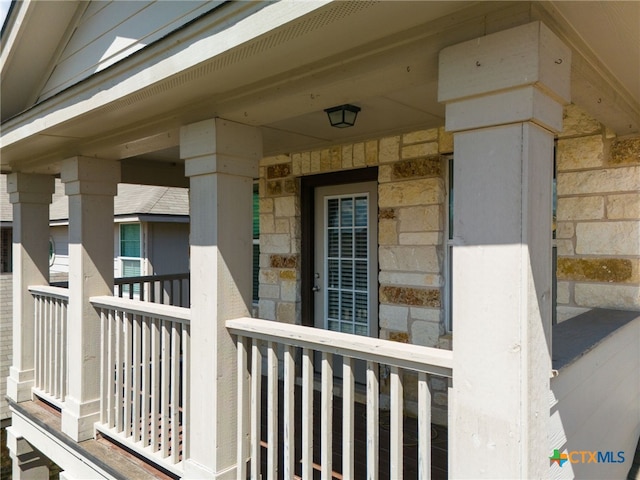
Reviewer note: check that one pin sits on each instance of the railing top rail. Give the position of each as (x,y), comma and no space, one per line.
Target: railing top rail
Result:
(149,278)
(147,309)
(46,290)
(407,356)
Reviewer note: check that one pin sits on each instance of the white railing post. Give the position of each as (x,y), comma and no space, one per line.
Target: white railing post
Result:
(30,195)
(221,160)
(90,185)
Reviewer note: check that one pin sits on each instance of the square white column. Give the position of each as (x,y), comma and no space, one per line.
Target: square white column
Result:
(90,185)
(504,94)
(30,195)
(221,161)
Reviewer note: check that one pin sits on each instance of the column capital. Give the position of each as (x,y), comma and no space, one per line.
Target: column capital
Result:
(30,188)
(517,75)
(220,146)
(92,176)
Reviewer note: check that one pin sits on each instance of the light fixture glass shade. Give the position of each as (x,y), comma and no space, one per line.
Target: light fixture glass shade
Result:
(342,116)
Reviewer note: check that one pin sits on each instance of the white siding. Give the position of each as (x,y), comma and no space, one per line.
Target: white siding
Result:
(109,31)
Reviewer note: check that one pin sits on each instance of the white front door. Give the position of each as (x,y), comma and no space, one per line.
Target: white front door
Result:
(346,260)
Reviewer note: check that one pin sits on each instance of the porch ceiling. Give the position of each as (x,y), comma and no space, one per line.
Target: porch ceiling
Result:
(388,68)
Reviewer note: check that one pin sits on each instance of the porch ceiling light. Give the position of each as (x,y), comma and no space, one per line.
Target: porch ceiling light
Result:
(342,116)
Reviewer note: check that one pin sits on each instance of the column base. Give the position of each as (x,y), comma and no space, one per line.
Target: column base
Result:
(194,470)
(20,384)
(78,419)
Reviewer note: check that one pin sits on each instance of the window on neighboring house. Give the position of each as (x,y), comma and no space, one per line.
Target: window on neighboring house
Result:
(449,248)
(6,262)
(130,253)
(256,242)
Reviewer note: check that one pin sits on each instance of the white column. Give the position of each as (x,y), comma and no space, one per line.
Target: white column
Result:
(90,185)
(221,160)
(30,195)
(27,462)
(504,94)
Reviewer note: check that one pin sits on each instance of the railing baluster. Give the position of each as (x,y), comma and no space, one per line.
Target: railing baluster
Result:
(155,383)
(63,356)
(256,400)
(186,356)
(104,370)
(347,417)
(137,381)
(56,349)
(128,366)
(396,424)
(372,420)
(307,413)
(47,345)
(175,391)
(326,428)
(38,341)
(424,427)
(112,363)
(146,381)
(289,411)
(272,411)
(119,396)
(243,407)
(164,394)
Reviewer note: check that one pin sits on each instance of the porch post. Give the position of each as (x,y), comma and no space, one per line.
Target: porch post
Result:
(90,185)
(27,462)
(30,195)
(504,94)
(221,160)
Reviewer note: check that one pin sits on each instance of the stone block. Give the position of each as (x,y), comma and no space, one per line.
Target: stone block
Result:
(410,279)
(347,156)
(286,313)
(580,153)
(565,230)
(388,213)
(387,233)
(610,270)
(427,191)
(315,161)
(607,296)
(371,152)
(268,276)
(563,292)
(279,170)
(336,158)
(420,136)
(359,160)
(289,291)
(290,186)
(389,149)
(267,224)
(283,261)
(419,150)
(296,164)
(623,207)
(385,173)
(288,274)
(325,160)
(393,317)
(425,333)
(420,238)
(306,163)
(608,238)
(565,247)
(606,180)
(419,219)
(269,291)
(267,309)
(417,167)
(576,121)
(274,160)
(402,337)
(422,259)
(625,151)
(274,188)
(275,243)
(282,225)
(580,208)
(266,205)
(445,141)
(285,206)
(424,297)
(426,314)
(445,342)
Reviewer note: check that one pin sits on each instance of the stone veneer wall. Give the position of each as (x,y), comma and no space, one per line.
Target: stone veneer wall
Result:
(411,210)
(598,217)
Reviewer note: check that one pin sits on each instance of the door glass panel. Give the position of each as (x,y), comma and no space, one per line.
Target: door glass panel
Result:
(346,263)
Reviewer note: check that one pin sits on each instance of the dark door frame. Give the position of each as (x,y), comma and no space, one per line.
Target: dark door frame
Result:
(308,185)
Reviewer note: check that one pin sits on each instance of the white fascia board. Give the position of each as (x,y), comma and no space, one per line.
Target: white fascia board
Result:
(121,80)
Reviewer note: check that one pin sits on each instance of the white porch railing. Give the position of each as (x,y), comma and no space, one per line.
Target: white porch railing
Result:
(300,344)
(50,360)
(145,377)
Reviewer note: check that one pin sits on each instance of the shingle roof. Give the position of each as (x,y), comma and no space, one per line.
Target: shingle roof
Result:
(131,200)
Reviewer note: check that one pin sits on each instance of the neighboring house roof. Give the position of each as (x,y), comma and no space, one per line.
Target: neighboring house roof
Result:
(132,200)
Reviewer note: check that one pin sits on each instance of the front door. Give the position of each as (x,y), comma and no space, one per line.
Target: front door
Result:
(346,262)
